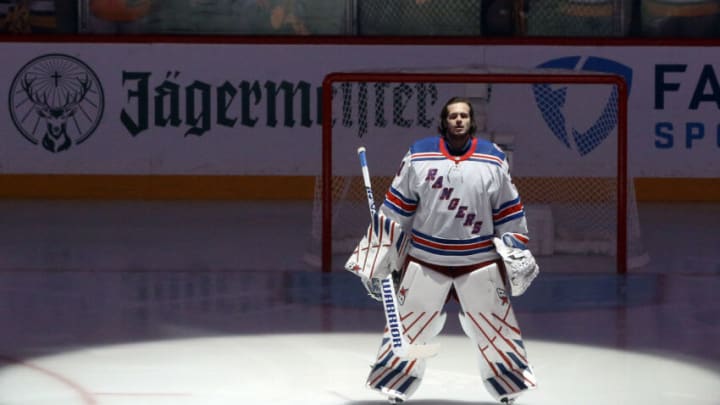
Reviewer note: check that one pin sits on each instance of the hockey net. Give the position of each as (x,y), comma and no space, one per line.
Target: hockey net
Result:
(564,133)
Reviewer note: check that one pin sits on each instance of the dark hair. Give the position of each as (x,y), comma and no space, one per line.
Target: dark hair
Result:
(443,128)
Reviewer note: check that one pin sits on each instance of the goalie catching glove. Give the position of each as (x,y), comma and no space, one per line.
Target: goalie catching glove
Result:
(519,262)
(380,252)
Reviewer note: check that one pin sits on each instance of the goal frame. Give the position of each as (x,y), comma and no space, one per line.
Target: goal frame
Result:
(538,77)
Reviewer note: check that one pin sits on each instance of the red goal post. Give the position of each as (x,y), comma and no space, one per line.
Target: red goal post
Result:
(611,188)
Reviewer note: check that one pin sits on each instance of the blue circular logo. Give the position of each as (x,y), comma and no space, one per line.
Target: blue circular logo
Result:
(551,103)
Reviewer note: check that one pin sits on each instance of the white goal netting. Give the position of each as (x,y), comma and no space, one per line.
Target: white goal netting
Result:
(565,135)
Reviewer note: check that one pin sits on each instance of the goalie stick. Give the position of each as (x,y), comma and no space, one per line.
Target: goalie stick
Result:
(399,343)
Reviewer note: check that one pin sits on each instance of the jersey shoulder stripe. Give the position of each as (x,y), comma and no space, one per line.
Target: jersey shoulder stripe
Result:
(425,156)
(478,157)
(429,144)
(433,148)
(485,147)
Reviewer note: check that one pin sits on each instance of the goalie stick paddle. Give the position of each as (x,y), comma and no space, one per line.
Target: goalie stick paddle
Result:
(399,343)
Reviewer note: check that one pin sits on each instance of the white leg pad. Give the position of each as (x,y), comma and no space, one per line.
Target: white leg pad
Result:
(488,319)
(421,297)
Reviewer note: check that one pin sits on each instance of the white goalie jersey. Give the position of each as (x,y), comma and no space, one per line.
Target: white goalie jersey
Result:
(470,213)
(453,206)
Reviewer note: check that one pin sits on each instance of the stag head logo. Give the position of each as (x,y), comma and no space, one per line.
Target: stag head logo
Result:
(56,101)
